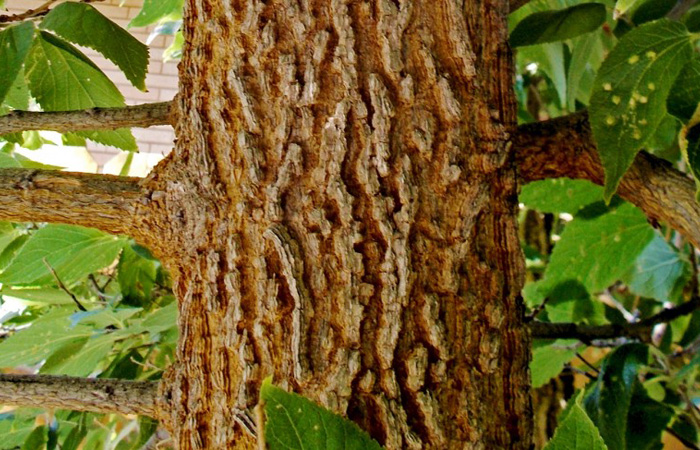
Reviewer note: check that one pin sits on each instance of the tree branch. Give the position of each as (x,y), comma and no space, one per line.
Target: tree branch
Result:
(587,333)
(36,12)
(80,394)
(143,116)
(105,202)
(564,147)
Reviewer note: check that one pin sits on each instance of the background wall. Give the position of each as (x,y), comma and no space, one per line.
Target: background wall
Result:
(154,142)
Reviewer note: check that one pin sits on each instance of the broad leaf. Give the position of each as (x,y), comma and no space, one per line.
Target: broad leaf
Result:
(586,57)
(548,359)
(15,43)
(61,78)
(608,404)
(45,336)
(576,432)
(84,25)
(73,252)
(156,10)
(629,95)
(552,26)
(294,422)
(560,195)
(684,96)
(646,421)
(659,272)
(597,252)
(550,60)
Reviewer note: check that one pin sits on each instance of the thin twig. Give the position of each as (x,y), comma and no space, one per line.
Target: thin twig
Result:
(595,369)
(63,286)
(588,333)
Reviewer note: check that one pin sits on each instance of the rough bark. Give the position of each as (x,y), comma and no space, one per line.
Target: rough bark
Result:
(145,115)
(104,202)
(339,212)
(564,147)
(80,394)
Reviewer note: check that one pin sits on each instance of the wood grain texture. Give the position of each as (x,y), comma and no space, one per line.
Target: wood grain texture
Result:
(105,202)
(339,212)
(145,115)
(99,395)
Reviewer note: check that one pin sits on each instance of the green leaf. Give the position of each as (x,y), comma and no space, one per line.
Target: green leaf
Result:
(550,60)
(608,404)
(136,276)
(622,6)
(569,301)
(659,272)
(47,295)
(72,252)
(15,43)
(646,421)
(84,25)
(81,359)
(689,141)
(36,439)
(293,422)
(586,57)
(552,26)
(61,78)
(46,335)
(548,360)
(560,195)
(684,96)
(121,138)
(629,95)
(174,51)
(597,252)
(576,432)
(156,10)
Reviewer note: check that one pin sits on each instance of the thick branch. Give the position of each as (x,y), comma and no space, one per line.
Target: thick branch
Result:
(146,115)
(564,147)
(587,333)
(105,202)
(80,394)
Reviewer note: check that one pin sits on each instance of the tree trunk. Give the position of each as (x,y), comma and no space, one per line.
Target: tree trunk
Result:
(340,213)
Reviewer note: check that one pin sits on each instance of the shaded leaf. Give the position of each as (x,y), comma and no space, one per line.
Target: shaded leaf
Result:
(552,26)
(684,96)
(84,25)
(293,422)
(629,95)
(608,404)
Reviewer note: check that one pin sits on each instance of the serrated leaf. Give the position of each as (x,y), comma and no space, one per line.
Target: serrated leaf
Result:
(576,432)
(72,252)
(548,360)
(15,43)
(659,272)
(597,252)
(84,25)
(629,94)
(156,10)
(552,26)
(560,195)
(294,422)
(61,78)
(684,96)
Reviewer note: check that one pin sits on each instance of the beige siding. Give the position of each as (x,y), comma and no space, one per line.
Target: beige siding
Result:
(161,81)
